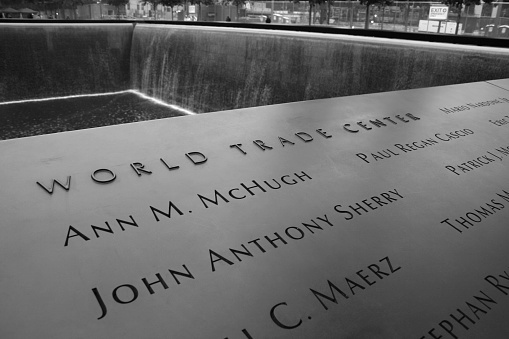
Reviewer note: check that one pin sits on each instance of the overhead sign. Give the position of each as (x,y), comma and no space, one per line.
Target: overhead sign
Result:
(438,12)
(373,216)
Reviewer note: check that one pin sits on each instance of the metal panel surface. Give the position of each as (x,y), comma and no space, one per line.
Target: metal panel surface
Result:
(373,216)
(503,83)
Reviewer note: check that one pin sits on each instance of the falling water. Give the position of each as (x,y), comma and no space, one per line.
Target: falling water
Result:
(212,68)
(176,70)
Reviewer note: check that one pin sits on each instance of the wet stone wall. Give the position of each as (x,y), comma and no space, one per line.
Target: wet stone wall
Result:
(212,69)
(206,69)
(41,60)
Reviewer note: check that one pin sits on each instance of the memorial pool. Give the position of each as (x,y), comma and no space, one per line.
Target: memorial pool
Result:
(36,117)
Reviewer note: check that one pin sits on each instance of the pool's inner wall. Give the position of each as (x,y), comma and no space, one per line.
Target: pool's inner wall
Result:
(213,68)
(52,60)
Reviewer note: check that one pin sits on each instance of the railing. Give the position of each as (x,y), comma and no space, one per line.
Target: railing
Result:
(486,20)
(403,16)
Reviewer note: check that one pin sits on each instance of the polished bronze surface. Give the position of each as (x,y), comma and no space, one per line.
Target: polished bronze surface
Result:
(373,216)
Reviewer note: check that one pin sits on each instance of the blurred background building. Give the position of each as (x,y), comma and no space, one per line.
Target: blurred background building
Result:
(486,19)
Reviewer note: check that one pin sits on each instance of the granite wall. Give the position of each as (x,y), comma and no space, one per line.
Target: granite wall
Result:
(41,60)
(210,69)
(206,69)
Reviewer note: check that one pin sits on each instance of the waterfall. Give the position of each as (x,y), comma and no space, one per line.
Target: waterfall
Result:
(208,69)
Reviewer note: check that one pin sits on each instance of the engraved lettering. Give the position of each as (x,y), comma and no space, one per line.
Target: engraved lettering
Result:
(278,322)
(138,167)
(97,295)
(196,157)
(171,206)
(262,145)
(304,136)
(110,178)
(50,190)
(76,234)
(238,146)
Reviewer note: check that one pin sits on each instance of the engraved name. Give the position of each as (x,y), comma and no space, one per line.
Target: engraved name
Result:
(478,214)
(475,308)
(479,162)
(403,148)
(469,106)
